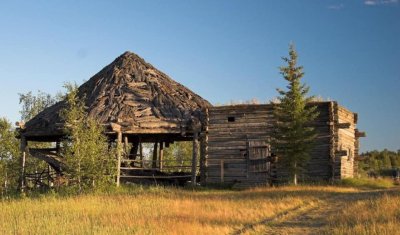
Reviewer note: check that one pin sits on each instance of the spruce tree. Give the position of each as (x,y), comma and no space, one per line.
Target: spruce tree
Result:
(293,137)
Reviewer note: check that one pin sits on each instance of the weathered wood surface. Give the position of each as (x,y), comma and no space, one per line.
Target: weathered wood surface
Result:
(230,127)
(51,157)
(131,93)
(346,143)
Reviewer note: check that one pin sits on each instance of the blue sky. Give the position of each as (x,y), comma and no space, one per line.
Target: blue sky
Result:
(223,50)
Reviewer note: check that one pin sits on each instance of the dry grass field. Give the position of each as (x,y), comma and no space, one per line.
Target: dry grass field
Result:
(158,210)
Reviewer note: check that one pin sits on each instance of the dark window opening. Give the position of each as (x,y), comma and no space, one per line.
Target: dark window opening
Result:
(231,119)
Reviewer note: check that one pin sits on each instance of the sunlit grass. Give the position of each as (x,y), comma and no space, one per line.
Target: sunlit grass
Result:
(372,183)
(372,216)
(155,210)
(148,211)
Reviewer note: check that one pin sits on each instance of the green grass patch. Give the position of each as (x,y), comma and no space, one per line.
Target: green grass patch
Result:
(369,183)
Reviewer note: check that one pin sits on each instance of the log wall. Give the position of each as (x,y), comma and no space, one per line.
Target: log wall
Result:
(229,130)
(232,129)
(347,144)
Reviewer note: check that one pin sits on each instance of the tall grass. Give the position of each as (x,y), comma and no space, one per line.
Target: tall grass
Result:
(154,210)
(159,210)
(373,216)
(371,183)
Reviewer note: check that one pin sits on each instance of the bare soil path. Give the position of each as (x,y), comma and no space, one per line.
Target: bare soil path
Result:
(311,217)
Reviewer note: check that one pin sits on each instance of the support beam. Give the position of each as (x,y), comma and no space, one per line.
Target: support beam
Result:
(134,149)
(119,155)
(141,153)
(194,158)
(360,134)
(161,155)
(58,147)
(155,150)
(203,157)
(126,146)
(23,146)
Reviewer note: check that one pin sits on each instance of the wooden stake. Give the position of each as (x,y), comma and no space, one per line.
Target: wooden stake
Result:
(126,146)
(203,157)
(161,155)
(119,154)
(141,152)
(194,158)
(58,147)
(155,150)
(23,145)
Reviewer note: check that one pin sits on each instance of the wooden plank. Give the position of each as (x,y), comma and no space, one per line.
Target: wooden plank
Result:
(194,158)
(155,152)
(161,156)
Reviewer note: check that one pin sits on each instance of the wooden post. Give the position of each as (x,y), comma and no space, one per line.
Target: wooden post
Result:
(23,146)
(119,155)
(161,155)
(204,148)
(194,158)
(141,152)
(133,153)
(203,157)
(134,150)
(58,147)
(49,176)
(126,146)
(155,150)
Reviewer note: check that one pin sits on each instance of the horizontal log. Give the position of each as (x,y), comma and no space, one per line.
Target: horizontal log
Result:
(359,134)
(344,125)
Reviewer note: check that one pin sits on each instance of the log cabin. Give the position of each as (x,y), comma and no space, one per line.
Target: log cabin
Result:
(238,150)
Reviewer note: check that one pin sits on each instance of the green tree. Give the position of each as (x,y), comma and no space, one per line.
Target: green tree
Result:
(91,164)
(379,162)
(33,104)
(293,138)
(9,151)
(179,155)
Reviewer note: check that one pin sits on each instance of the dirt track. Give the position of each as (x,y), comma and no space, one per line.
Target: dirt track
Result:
(311,217)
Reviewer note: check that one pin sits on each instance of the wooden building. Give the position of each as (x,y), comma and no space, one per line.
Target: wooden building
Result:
(238,152)
(137,104)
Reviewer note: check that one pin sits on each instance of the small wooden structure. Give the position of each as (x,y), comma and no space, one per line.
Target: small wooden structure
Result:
(137,104)
(238,151)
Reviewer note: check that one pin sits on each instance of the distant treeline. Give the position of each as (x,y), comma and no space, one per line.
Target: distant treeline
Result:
(379,163)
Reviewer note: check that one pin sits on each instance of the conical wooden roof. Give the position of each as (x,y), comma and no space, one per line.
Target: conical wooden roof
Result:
(129,94)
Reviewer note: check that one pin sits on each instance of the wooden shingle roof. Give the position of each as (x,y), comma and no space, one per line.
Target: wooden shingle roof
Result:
(131,94)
